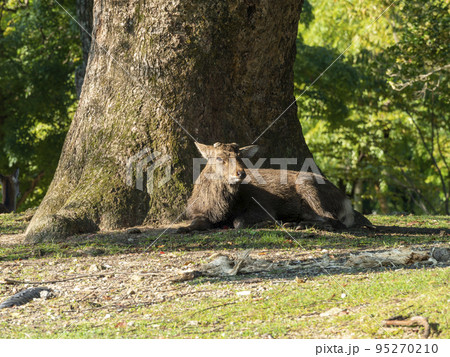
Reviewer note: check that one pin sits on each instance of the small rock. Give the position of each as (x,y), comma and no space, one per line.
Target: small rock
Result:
(45,294)
(131,292)
(95,268)
(441,254)
(267,336)
(333,311)
(243,293)
(133,231)
(137,277)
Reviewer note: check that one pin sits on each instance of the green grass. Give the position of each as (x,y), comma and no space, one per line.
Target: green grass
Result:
(411,220)
(288,310)
(12,223)
(278,305)
(276,238)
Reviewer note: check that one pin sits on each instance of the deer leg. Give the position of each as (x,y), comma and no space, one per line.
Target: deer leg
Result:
(197,224)
(255,218)
(328,224)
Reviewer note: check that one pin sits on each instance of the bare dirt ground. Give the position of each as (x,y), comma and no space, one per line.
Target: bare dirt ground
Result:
(92,283)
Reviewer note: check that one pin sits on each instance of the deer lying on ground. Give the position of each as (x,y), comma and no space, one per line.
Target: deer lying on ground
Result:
(10,191)
(220,198)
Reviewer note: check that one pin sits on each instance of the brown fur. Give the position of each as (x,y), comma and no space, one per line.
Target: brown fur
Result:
(220,198)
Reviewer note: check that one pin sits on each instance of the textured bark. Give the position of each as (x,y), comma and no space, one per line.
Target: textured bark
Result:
(85,20)
(221,69)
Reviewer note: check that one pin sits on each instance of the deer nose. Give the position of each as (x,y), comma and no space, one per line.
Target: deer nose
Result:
(241,174)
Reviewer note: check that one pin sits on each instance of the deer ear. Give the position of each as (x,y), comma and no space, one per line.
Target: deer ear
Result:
(205,150)
(249,151)
(16,174)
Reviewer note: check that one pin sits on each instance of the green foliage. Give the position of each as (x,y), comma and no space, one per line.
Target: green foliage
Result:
(39,52)
(376,121)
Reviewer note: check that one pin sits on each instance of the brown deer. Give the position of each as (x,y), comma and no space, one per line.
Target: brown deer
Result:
(220,197)
(10,191)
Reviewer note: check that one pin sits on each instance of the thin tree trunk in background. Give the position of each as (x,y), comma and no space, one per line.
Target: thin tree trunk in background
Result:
(30,190)
(357,192)
(222,69)
(435,164)
(382,201)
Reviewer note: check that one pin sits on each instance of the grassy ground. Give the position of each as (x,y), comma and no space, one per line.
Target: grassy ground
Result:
(121,285)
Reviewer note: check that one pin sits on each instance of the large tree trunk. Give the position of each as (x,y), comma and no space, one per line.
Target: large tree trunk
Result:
(84,17)
(222,70)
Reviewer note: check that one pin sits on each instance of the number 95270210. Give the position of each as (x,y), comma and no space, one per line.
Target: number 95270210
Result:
(416,348)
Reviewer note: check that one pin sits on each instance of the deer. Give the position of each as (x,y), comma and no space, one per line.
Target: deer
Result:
(10,192)
(223,194)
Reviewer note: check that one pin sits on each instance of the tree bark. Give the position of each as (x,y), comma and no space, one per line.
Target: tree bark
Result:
(84,17)
(218,70)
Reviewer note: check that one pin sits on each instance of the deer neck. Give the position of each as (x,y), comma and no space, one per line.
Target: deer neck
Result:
(213,197)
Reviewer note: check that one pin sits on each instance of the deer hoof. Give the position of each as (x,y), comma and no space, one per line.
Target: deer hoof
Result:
(264,224)
(183,230)
(238,223)
(300,227)
(289,225)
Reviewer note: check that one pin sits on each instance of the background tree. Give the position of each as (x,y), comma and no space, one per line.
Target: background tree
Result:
(158,73)
(380,142)
(39,51)
(377,120)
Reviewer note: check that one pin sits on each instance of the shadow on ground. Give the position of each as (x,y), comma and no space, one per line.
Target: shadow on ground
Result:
(164,240)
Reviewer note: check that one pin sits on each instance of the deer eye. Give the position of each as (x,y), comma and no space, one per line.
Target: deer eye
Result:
(219,159)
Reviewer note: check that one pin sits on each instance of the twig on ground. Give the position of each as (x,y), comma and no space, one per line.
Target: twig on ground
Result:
(214,307)
(415,320)
(12,281)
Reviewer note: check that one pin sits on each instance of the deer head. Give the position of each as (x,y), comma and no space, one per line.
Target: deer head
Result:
(225,161)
